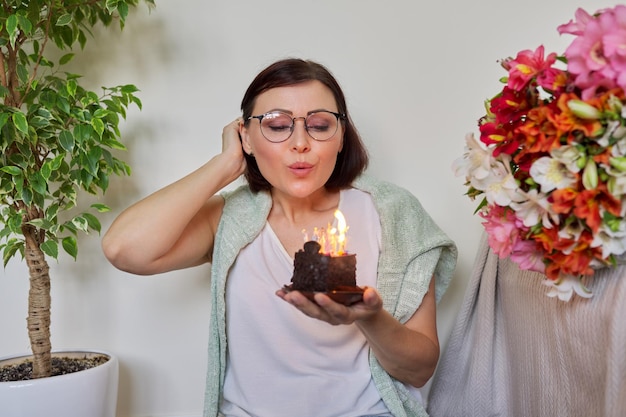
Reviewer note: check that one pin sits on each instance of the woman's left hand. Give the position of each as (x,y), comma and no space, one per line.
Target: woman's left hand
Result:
(325,309)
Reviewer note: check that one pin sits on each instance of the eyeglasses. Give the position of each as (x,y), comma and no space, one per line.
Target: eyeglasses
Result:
(278,126)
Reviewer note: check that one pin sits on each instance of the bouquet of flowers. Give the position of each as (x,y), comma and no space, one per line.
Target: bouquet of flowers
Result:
(550,166)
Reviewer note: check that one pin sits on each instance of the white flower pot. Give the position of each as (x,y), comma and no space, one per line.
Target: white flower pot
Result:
(88,393)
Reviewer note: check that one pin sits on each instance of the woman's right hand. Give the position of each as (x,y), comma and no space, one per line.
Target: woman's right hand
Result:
(231,146)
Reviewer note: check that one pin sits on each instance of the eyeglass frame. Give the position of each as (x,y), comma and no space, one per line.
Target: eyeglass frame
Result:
(338,116)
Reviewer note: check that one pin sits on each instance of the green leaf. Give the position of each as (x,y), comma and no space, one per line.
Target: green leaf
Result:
(6,187)
(63,105)
(25,24)
(46,170)
(82,39)
(11,26)
(122,9)
(65,59)
(15,223)
(82,133)
(101,208)
(38,183)
(66,35)
(98,126)
(27,196)
(55,163)
(38,122)
(101,113)
(20,122)
(64,20)
(11,170)
(22,73)
(4,117)
(71,87)
(10,249)
(70,246)
(51,212)
(69,194)
(68,226)
(137,102)
(112,5)
(67,140)
(41,224)
(93,157)
(81,223)
(129,89)
(85,180)
(93,222)
(18,159)
(50,248)
(114,144)
(45,113)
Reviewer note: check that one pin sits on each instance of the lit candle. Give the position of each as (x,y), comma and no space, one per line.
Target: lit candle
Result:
(332,239)
(342,227)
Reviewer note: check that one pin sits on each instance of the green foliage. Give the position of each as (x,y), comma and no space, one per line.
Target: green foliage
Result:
(56,138)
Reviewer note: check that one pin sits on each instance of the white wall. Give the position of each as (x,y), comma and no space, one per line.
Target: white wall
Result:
(415,74)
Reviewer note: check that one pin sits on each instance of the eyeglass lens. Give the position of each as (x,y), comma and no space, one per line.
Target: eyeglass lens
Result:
(277,126)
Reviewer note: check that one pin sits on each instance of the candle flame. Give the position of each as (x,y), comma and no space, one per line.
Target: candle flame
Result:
(332,239)
(342,228)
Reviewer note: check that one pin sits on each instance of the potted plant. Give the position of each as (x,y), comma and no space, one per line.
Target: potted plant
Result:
(56,139)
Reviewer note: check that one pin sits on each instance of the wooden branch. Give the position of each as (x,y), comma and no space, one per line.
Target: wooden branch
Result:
(39,55)
(3,74)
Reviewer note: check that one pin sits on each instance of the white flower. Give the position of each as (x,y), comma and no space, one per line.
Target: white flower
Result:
(475,162)
(572,230)
(569,156)
(500,186)
(611,242)
(535,208)
(617,185)
(614,130)
(550,174)
(566,286)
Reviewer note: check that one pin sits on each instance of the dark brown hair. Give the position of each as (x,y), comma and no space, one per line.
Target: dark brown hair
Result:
(353,158)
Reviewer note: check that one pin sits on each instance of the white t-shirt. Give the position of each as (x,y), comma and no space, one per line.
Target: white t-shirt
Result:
(283,363)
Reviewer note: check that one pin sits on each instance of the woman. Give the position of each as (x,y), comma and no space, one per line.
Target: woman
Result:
(302,159)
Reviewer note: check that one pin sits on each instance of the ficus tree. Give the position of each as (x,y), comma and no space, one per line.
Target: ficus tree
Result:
(57,141)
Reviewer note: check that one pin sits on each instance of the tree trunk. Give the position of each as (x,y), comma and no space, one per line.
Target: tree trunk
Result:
(38,321)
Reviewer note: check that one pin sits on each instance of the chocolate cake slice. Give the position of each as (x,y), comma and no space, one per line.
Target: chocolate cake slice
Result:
(315,271)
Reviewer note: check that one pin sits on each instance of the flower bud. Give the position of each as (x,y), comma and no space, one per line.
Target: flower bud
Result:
(590,175)
(489,116)
(583,110)
(610,185)
(618,162)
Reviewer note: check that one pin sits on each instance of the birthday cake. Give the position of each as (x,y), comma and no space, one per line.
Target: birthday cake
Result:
(319,272)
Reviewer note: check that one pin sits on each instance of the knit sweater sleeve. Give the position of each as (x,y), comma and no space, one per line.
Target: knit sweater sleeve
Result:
(414,250)
(243,218)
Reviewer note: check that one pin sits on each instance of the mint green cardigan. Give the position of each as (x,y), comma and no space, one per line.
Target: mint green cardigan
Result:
(414,249)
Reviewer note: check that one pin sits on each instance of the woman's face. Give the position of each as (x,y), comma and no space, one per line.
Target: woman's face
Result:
(300,165)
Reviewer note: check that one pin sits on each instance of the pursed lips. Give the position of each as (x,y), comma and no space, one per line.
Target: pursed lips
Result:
(300,168)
